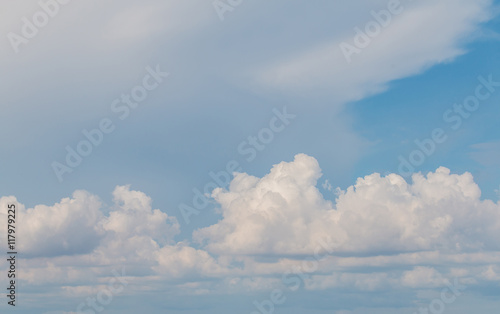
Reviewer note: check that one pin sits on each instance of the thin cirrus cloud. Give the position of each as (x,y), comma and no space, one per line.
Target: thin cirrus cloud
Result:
(424,34)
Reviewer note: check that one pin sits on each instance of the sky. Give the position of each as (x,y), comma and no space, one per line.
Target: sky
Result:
(237,156)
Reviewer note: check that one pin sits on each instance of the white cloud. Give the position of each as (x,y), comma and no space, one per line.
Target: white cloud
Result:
(138,22)
(74,242)
(426,33)
(358,281)
(422,277)
(66,228)
(182,260)
(281,213)
(383,232)
(284,213)
(134,216)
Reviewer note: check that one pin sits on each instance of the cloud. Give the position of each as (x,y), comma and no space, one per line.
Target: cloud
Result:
(66,228)
(134,216)
(380,234)
(134,230)
(283,213)
(182,260)
(422,277)
(424,34)
(75,241)
(487,154)
(77,225)
(137,22)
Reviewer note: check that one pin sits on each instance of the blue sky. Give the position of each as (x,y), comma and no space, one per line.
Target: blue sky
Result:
(353,117)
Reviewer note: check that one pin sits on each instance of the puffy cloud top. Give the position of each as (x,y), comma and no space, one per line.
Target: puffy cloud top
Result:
(284,213)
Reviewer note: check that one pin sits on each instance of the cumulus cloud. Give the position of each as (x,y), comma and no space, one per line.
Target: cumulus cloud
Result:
(182,260)
(135,225)
(380,233)
(66,228)
(77,225)
(284,213)
(75,241)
